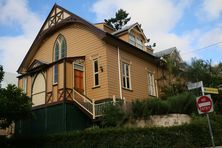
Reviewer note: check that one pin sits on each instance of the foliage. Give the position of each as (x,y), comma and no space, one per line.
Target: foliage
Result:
(113,115)
(201,70)
(14,105)
(137,109)
(121,18)
(191,135)
(183,103)
(1,73)
(173,76)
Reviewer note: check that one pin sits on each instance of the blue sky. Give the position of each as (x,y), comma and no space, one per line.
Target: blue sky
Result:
(193,26)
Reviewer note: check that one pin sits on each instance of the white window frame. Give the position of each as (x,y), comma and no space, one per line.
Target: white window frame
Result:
(139,43)
(126,77)
(132,39)
(24,84)
(95,73)
(151,84)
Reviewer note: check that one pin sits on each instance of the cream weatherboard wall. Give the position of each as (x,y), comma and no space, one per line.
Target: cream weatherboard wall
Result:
(81,41)
(139,69)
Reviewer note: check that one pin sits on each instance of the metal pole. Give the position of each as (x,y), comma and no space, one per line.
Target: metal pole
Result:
(208,120)
(211,133)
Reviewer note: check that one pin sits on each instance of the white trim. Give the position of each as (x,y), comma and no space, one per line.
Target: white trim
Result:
(151,84)
(125,76)
(24,84)
(157,93)
(120,78)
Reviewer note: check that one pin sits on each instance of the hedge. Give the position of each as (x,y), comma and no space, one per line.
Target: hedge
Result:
(182,104)
(191,135)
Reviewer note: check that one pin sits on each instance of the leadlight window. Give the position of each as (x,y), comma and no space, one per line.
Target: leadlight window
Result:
(60,51)
(55,74)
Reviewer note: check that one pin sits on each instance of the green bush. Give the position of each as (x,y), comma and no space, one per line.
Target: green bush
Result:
(157,106)
(183,103)
(113,115)
(137,109)
(191,135)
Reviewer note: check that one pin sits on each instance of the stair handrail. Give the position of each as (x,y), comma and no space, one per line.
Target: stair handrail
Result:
(86,104)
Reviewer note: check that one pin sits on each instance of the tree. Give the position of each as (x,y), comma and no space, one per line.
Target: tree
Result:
(121,18)
(201,70)
(1,73)
(14,104)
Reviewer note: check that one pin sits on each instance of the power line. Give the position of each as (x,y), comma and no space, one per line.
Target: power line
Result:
(199,49)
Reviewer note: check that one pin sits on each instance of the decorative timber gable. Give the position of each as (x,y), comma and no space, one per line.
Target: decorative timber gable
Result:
(56,15)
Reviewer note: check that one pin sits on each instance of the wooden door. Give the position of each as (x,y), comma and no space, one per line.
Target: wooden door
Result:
(78,81)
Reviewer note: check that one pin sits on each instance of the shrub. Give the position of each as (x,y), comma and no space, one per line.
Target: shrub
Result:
(191,135)
(183,103)
(113,115)
(157,106)
(137,109)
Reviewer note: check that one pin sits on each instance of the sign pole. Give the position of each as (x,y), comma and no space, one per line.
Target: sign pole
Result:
(209,124)
(210,129)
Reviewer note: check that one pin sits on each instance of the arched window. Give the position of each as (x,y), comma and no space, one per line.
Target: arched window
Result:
(60,51)
(60,48)
(38,90)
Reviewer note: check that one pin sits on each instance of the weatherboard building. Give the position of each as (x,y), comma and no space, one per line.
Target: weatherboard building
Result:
(74,67)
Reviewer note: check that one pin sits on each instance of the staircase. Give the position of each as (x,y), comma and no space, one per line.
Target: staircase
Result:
(95,110)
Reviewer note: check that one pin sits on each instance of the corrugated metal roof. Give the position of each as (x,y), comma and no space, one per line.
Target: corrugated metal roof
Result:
(123,29)
(165,52)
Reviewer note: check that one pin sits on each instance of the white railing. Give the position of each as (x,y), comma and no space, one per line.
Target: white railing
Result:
(94,109)
(84,102)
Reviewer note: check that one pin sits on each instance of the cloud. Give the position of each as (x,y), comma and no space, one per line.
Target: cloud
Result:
(14,48)
(158,15)
(211,9)
(159,18)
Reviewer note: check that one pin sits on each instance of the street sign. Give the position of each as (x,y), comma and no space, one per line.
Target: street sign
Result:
(204,104)
(211,90)
(195,85)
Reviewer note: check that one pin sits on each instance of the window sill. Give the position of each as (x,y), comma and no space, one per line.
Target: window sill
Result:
(152,96)
(54,84)
(127,89)
(94,87)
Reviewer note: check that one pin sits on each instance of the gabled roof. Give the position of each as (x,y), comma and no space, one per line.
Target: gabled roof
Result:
(57,18)
(60,17)
(168,52)
(35,64)
(165,52)
(128,29)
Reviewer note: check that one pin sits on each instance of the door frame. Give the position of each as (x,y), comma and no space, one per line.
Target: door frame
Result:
(73,75)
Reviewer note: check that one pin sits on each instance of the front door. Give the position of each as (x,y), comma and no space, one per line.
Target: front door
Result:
(79,79)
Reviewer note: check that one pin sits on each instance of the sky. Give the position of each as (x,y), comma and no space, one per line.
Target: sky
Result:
(193,26)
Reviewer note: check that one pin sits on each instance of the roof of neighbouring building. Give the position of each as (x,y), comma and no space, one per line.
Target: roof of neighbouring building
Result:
(165,52)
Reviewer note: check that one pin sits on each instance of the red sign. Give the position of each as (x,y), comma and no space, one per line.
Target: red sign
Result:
(204,104)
